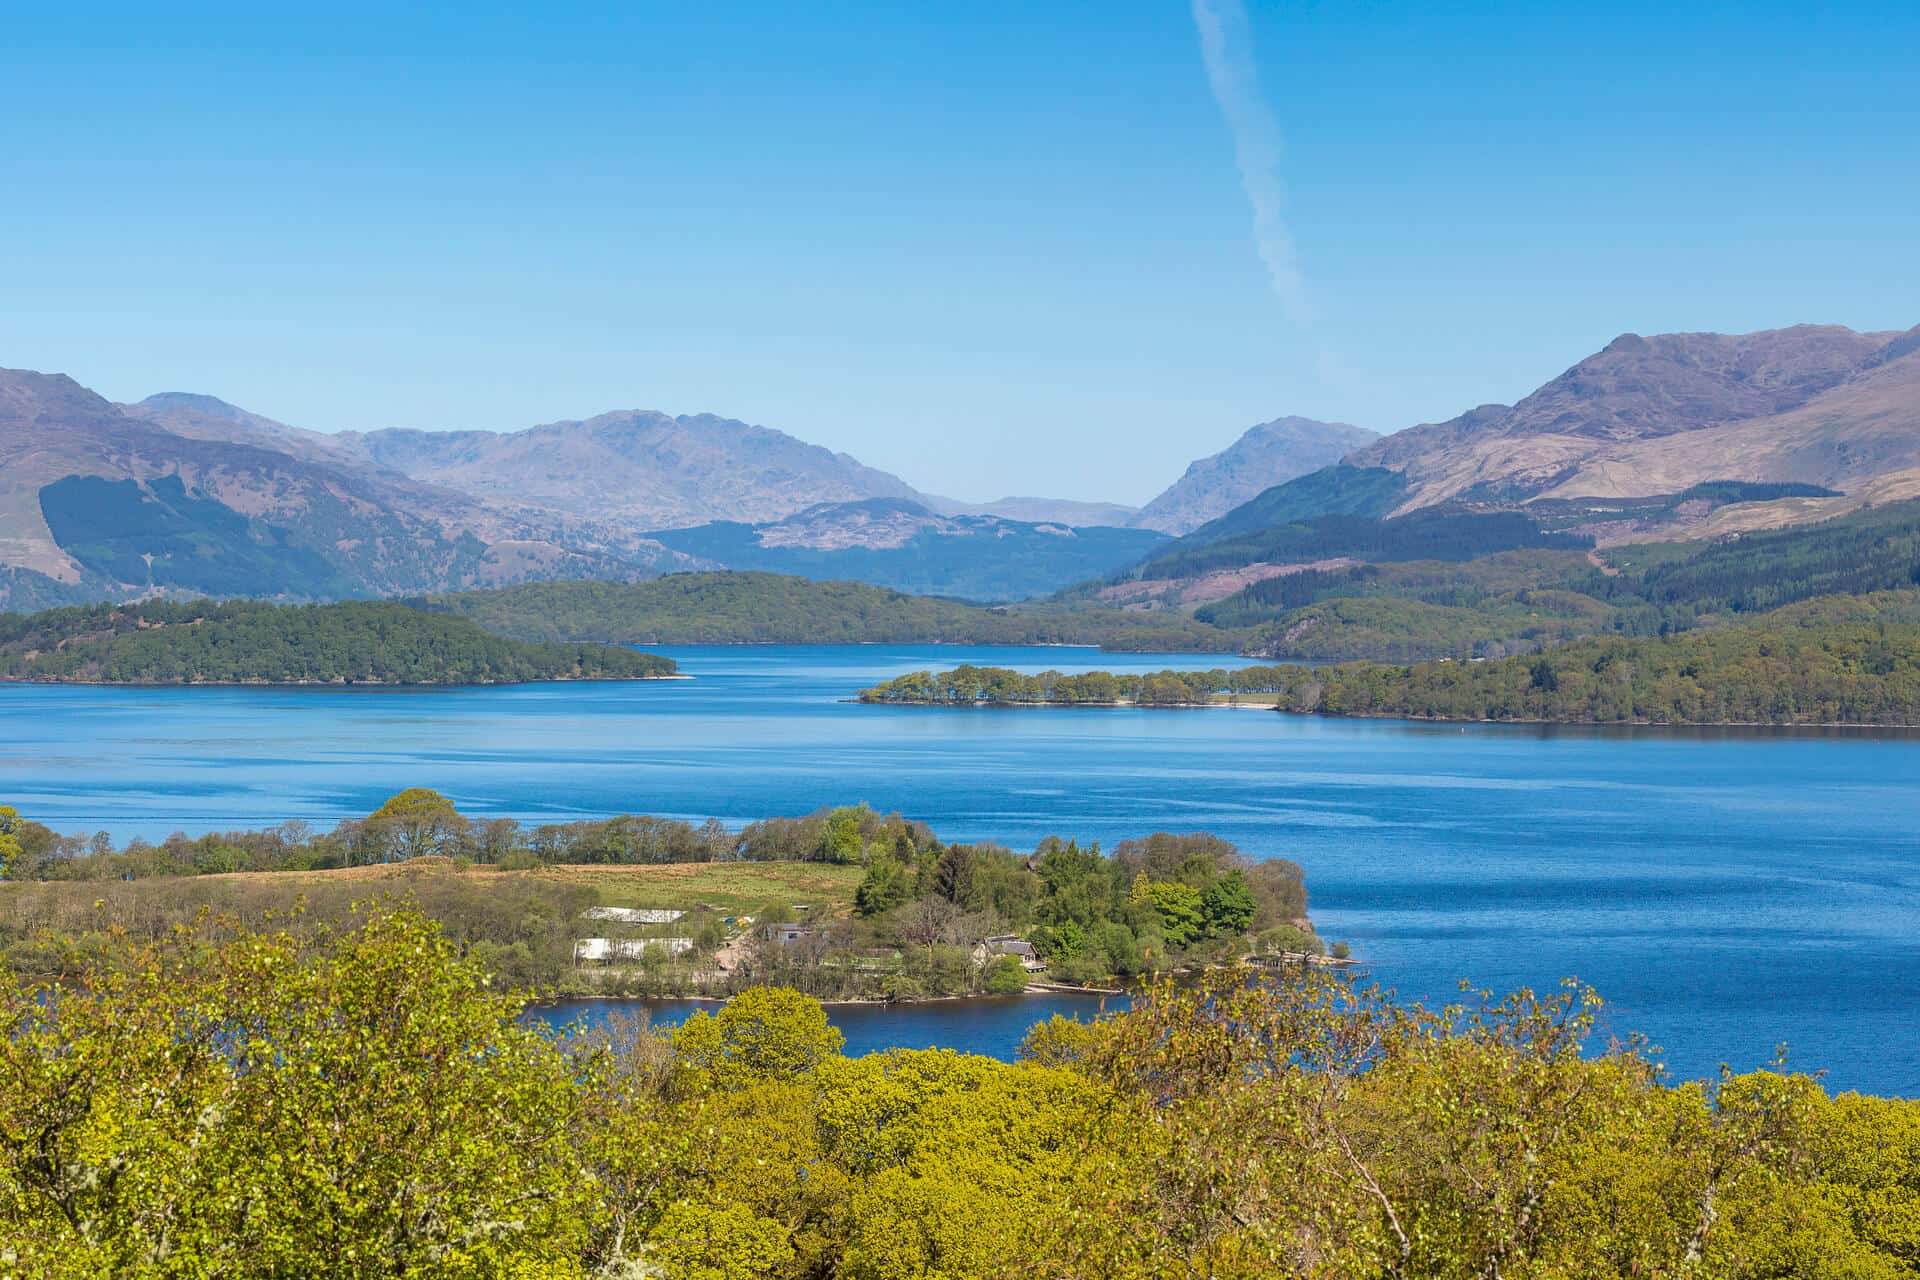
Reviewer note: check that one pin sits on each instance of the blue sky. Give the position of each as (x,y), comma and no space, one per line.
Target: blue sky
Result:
(996,248)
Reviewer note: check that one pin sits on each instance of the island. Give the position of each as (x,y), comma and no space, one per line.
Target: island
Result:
(1834,661)
(359,642)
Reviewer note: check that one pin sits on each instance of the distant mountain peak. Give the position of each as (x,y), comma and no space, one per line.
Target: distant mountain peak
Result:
(1815,404)
(1265,455)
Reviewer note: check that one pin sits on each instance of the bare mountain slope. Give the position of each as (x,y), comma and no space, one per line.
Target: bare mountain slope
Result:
(97,503)
(1814,404)
(644,469)
(1266,455)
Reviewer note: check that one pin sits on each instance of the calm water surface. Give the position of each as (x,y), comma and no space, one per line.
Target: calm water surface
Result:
(1727,890)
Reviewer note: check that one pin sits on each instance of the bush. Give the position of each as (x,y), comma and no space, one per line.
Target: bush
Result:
(1004,976)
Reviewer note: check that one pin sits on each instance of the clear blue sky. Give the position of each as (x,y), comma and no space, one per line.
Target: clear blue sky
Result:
(993,247)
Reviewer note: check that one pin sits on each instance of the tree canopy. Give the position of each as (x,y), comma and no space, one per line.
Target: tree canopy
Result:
(233,1101)
(246,642)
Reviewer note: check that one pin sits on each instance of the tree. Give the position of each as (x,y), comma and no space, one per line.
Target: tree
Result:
(1229,906)
(9,838)
(1003,976)
(886,885)
(844,844)
(1182,919)
(764,1033)
(417,822)
(244,1104)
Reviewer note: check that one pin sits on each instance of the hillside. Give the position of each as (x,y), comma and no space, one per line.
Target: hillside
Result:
(244,642)
(638,468)
(894,543)
(1266,455)
(1398,608)
(97,503)
(765,608)
(1831,663)
(1813,404)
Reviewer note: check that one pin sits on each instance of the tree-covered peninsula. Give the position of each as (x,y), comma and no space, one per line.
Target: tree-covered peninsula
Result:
(247,642)
(1855,672)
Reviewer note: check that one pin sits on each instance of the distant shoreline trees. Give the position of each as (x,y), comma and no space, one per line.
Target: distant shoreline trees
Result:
(248,642)
(1847,673)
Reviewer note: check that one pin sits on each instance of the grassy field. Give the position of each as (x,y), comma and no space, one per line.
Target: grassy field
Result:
(726,887)
(521,924)
(729,888)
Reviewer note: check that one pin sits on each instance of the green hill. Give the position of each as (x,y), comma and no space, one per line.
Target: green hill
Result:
(768,608)
(1844,660)
(247,642)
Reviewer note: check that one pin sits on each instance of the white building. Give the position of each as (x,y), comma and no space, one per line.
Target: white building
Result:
(624,950)
(632,915)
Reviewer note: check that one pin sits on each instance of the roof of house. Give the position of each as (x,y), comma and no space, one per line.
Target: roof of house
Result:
(633,915)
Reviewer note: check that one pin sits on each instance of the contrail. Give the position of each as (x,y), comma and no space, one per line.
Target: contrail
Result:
(1225,45)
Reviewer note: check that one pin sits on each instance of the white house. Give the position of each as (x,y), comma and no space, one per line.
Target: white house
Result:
(1007,944)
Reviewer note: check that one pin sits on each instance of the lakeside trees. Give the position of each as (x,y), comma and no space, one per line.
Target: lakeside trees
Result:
(771,608)
(1865,673)
(248,642)
(905,923)
(237,1102)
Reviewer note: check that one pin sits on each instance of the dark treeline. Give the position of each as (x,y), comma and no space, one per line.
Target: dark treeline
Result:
(236,1101)
(1434,534)
(769,608)
(1512,602)
(248,642)
(1873,550)
(1865,673)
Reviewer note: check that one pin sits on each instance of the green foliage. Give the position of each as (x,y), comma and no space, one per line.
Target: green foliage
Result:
(1433,533)
(239,1106)
(990,560)
(9,838)
(1229,905)
(1337,490)
(1179,906)
(232,1102)
(241,642)
(767,608)
(762,1034)
(1825,673)
(159,534)
(1003,976)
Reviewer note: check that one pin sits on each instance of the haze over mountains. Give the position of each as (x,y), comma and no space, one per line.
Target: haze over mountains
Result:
(184,493)
(1269,454)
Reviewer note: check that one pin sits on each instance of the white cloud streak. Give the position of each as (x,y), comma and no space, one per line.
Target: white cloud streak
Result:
(1226,47)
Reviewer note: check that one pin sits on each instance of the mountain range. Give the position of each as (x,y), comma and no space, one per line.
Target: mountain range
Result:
(1813,404)
(1693,434)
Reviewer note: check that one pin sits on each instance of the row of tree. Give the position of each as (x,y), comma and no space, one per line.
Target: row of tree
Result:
(921,906)
(1861,673)
(242,1102)
(247,642)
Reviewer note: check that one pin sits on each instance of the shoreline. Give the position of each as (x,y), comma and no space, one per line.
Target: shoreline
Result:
(331,684)
(1408,717)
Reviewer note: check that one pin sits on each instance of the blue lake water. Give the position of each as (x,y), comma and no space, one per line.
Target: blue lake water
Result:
(1728,891)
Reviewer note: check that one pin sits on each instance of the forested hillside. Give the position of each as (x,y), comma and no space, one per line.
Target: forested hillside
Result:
(766,608)
(247,642)
(1510,602)
(1825,664)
